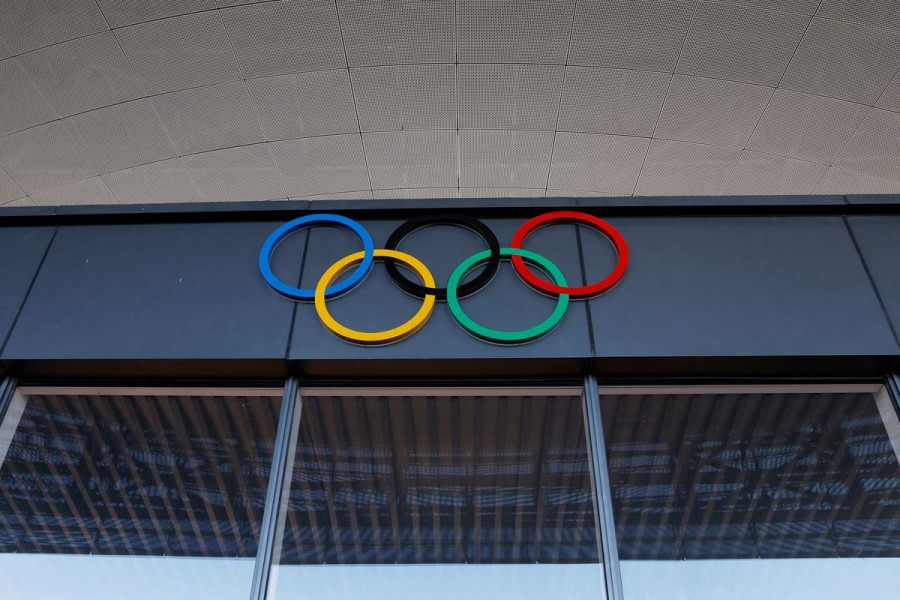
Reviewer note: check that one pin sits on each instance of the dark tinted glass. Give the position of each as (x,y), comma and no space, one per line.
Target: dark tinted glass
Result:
(753,476)
(146,475)
(456,480)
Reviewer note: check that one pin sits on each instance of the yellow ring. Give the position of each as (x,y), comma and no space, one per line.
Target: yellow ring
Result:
(374,337)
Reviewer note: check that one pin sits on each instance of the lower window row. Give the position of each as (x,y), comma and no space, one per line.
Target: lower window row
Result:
(739,493)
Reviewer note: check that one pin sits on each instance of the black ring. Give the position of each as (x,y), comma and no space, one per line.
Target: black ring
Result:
(466,289)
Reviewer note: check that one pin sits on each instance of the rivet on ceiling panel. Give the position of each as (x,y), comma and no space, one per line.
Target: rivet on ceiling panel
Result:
(304,105)
(644,34)
(276,38)
(179,52)
(24,202)
(501,192)
(551,193)
(415,193)
(122,136)
(209,118)
(228,3)
(405,97)
(804,7)
(807,127)
(236,174)
(517,31)
(509,96)
(890,98)
(612,101)
(9,189)
(710,111)
(385,32)
(30,24)
(679,168)
(43,157)
(87,73)
(87,191)
(409,159)
(160,182)
(21,104)
(842,181)
(588,161)
(740,43)
(357,195)
(320,165)
(497,158)
(452,192)
(844,61)
(758,173)
(877,13)
(128,12)
(875,147)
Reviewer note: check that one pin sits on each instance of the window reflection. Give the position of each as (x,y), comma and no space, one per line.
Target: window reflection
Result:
(480,496)
(752,475)
(103,486)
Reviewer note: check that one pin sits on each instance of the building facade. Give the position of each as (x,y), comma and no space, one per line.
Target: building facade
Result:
(718,421)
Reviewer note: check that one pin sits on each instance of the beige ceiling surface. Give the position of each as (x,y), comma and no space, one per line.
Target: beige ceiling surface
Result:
(136,101)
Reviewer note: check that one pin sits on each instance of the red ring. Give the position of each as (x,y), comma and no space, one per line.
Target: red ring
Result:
(567,216)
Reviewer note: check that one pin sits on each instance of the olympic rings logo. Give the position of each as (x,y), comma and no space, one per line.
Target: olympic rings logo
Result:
(426,289)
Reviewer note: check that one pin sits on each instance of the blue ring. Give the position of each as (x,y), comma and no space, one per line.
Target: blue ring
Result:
(277,236)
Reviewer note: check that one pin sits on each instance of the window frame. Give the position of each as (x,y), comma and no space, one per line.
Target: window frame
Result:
(886,392)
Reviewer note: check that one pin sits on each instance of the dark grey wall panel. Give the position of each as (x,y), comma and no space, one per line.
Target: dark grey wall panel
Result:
(156,291)
(378,304)
(879,242)
(696,286)
(755,286)
(22,249)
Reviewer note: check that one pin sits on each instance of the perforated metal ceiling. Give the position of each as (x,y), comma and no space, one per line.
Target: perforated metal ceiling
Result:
(129,101)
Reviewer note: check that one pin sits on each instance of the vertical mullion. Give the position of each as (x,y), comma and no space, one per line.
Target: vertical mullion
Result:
(7,387)
(602,490)
(7,390)
(278,479)
(893,385)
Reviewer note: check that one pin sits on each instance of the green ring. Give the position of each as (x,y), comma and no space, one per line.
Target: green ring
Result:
(506,337)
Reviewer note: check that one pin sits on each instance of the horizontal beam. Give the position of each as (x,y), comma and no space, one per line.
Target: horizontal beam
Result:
(611,206)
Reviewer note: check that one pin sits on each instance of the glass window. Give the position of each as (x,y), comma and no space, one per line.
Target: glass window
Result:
(443,494)
(755,492)
(110,494)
